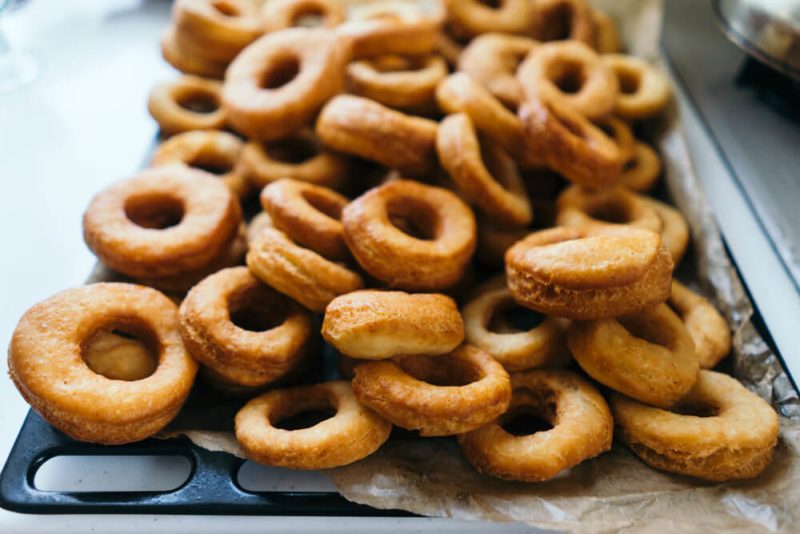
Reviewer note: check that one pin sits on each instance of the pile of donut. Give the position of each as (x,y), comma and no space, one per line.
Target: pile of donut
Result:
(407,156)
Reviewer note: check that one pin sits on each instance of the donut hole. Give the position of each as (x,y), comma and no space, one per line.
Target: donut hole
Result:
(509,318)
(413,217)
(228,9)
(392,63)
(491,4)
(199,101)
(212,162)
(309,16)
(632,163)
(154,212)
(697,409)
(571,125)
(122,352)
(643,327)
(294,150)
(256,310)
(282,71)
(629,81)
(303,413)
(612,211)
(323,204)
(441,371)
(524,421)
(569,76)
(557,23)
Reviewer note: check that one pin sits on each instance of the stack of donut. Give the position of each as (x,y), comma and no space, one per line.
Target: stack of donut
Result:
(459,193)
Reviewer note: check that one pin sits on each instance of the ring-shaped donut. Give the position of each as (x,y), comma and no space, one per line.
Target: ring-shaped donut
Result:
(591,208)
(733,437)
(278,84)
(352,433)
(709,331)
(186,62)
(572,273)
(257,224)
(216,30)
(187,103)
(376,325)
(298,272)
(674,228)
(606,38)
(309,214)
(46,363)
(581,420)
(556,20)
(644,90)
(413,34)
(642,169)
(404,390)
(401,82)
(434,260)
(359,126)
(282,14)
(163,221)
(484,171)
(473,17)
(647,355)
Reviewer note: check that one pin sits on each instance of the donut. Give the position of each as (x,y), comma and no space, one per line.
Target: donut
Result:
(216,30)
(436,395)
(186,62)
(709,331)
(494,241)
(212,151)
(376,325)
(187,103)
(555,20)
(606,37)
(277,85)
(298,272)
(257,224)
(473,17)
(46,362)
(586,275)
(586,208)
(299,156)
(352,433)
(309,215)
(282,14)
(400,82)
(359,126)
(570,74)
(492,59)
(719,431)
(642,169)
(485,173)
(620,131)
(410,235)
(541,346)
(570,144)
(581,421)
(382,33)
(643,90)
(163,221)
(674,229)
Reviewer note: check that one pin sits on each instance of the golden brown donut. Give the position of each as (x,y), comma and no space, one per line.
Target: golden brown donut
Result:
(282,14)
(473,17)
(245,331)
(674,229)
(298,272)
(384,33)
(485,173)
(588,208)
(299,156)
(582,428)
(212,151)
(606,38)
(642,169)
(554,20)
(570,74)
(359,126)
(732,437)
(352,433)
(492,59)
(163,221)
(185,61)
(187,103)
(581,275)
(431,248)
(216,30)
(709,331)
(437,395)
(278,84)
(309,214)
(401,82)
(258,223)
(375,325)
(45,361)
(647,355)
(643,90)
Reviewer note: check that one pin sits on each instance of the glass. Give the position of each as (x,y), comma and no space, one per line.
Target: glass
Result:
(17,67)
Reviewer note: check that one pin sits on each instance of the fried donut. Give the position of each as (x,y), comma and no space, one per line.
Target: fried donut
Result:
(300,157)
(570,74)
(401,82)
(576,274)
(245,331)
(369,130)
(352,433)
(581,421)
(586,208)
(570,144)
(606,38)
(375,325)
(483,171)
(208,150)
(392,33)
(216,30)
(46,363)
(709,331)
(473,17)
(432,254)
(644,90)
(282,14)
(298,272)
(674,229)
(642,169)
(406,391)
(161,222)
(185,61)
(516,350)
(188,103)
(278,84)
(554,20)
(309,214)
(733,437)
(492,59)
